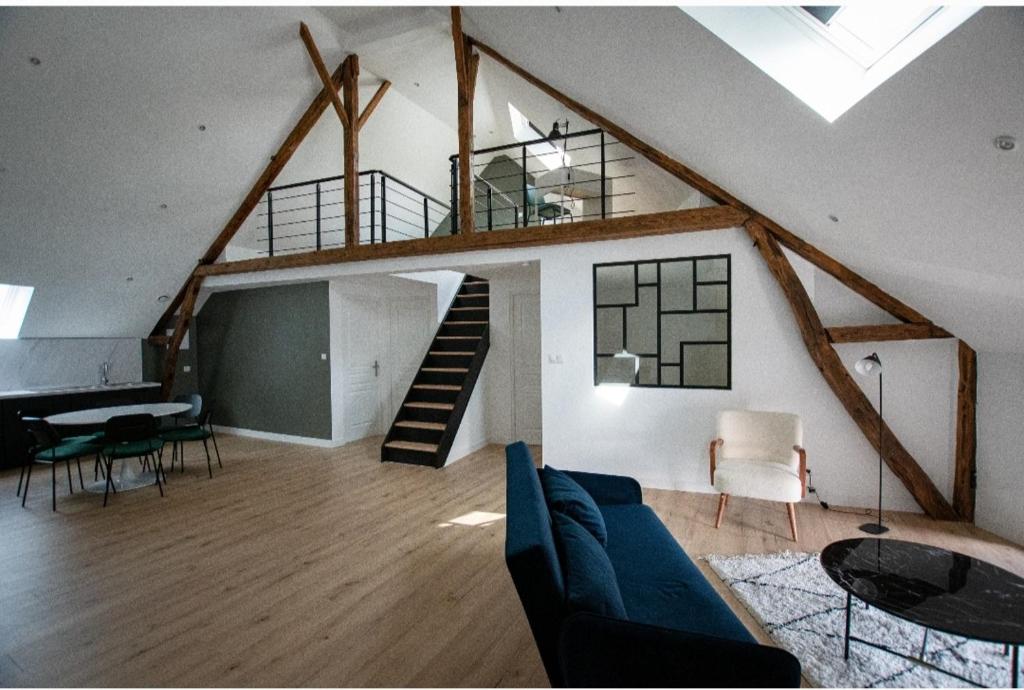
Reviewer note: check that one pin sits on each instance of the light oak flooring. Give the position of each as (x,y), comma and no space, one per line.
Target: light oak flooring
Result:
(307,566)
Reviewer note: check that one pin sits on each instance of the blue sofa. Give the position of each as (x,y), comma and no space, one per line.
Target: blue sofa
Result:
(678,632)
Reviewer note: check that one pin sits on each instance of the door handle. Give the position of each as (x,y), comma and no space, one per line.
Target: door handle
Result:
(376,368)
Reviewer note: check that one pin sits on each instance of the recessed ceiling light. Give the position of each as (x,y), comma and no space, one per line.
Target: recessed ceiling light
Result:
(129,279)
(202,128)
(162,298)
(834,218)
(35,61)
(1004,142)
(163,205)
(416,83)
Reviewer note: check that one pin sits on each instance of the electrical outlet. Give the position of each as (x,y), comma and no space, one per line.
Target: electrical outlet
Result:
(186,368)
(323,356)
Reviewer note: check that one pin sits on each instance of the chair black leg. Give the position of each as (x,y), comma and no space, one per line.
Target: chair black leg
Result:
(21,478)
(209,468)
(71,484)
(53,484)
(215,448)
(181,456)
(159,484)
(81,481)
(109,483)
(28,478)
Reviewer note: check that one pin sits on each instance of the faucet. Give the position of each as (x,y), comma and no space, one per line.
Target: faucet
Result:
(105,374)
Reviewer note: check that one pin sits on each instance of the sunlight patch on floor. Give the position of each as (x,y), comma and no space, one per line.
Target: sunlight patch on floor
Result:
(476,518)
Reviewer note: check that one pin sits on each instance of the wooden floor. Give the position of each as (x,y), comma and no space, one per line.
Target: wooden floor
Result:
(305,566)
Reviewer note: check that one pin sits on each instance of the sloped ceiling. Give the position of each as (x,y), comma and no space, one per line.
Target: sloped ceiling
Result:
(928,208)
(105,130)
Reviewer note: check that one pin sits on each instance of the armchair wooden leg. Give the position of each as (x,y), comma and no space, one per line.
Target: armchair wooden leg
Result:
(791,509)
(723,499)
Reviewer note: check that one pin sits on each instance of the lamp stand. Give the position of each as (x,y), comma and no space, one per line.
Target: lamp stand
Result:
(878,527)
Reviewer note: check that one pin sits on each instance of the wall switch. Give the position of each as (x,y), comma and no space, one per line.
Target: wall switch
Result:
(555,359)
(323,356)
(187,368)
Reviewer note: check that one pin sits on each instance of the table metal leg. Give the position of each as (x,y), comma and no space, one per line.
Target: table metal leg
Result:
(924,645)
(846,639)
(1014,667)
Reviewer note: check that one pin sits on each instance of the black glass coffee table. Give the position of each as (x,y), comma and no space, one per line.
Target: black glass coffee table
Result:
(935,588)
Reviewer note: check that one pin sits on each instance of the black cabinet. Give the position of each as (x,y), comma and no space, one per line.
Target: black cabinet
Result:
(13,445)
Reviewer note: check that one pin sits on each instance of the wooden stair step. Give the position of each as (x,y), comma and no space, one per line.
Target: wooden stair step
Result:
(475,282)
(412,445)
(436,387)
(430,405)
(459,337)
(474,295)
(429,426)
(447,370)
(453,353)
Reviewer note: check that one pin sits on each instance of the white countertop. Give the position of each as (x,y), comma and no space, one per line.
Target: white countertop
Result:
(73,390)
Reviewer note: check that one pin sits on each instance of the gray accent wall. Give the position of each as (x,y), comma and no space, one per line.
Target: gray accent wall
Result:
(259,358)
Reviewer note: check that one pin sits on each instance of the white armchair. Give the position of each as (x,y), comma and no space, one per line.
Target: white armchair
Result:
(759,455)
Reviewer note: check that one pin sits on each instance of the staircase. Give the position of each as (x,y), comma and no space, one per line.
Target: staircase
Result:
(430,415)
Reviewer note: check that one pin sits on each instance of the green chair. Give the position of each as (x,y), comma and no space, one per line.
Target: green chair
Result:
(201,431)
(545,210)
(48,449)
(132,436)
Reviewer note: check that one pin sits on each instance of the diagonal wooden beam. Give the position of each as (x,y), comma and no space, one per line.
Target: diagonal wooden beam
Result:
(277,162)
(466,210)
(656,156)
(180,329)
(374,102)
(860,409)
(878,333)
(624,227)
(847,277)
(964,476)
(321,71)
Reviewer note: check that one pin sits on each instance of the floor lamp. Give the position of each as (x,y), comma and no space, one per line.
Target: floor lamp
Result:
(866,367)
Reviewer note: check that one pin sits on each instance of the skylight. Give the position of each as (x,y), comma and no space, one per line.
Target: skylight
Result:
(551,155)
(14,301)
(830,57)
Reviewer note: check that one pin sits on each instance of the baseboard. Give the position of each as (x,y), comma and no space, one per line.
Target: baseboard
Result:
(473,447)
(280,438)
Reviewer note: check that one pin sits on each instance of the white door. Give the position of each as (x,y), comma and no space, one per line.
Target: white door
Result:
(526,392)
(364,413)
(412,323)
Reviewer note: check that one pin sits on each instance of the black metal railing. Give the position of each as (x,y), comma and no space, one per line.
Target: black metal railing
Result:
(586,172)
(310,215)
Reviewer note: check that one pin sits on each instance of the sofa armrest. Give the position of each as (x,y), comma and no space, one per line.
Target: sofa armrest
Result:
(608,489)
(596,651)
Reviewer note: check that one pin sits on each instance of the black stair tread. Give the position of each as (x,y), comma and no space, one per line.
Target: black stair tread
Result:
(453,353)
(412,445)
(429,426)
(458,337)
(448,370)
(464,323)
(430,405)
(436,387)
(469,309)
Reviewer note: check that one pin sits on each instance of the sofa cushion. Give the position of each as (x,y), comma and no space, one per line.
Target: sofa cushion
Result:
(658,582)
(565,495)
(590,582)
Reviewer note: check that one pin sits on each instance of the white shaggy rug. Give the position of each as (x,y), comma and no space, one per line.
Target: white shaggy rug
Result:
(797,603)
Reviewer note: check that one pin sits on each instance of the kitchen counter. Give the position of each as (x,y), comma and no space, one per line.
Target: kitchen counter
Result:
(71,390)
(43,402)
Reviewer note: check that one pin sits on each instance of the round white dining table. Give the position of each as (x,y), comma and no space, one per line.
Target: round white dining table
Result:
(127,478)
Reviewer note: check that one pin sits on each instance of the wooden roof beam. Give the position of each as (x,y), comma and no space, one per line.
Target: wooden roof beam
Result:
(321,71)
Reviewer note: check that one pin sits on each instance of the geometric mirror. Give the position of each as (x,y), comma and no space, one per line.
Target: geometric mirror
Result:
(664,323)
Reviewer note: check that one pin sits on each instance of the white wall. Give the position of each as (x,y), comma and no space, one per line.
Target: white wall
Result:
(660,436)
(1000,506)
(50,362)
